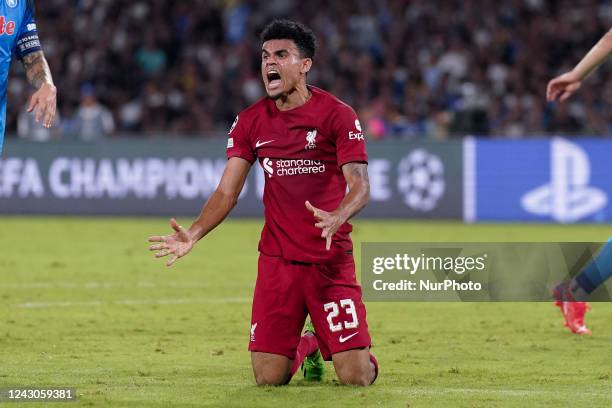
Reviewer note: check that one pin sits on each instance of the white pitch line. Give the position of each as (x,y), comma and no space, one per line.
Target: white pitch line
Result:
(414,392)
(93,303)
(113,285)
(504,392)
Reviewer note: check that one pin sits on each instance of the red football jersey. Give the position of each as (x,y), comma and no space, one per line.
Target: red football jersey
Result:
(301,152)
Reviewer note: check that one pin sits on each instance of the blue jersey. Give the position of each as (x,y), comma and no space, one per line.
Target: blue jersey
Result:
(18,37)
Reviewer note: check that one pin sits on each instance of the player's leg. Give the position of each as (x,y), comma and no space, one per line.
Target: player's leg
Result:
(570,295)
(308,356)
(594,274)
(270,369)
(278,316)
(355,367)
(338,314)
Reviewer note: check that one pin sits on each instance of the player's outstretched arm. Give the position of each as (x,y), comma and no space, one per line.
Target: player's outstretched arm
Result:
(213,213)
(44,100)
(563,86)
(356,175)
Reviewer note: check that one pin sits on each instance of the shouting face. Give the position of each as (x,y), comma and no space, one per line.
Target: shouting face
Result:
(282,67)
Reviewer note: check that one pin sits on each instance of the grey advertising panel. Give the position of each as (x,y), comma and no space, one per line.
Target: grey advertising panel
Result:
(176,176)
(416,179)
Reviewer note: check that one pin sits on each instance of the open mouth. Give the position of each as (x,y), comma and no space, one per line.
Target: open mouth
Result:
(274,80)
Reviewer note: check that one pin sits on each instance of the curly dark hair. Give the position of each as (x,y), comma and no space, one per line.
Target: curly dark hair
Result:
(302,36)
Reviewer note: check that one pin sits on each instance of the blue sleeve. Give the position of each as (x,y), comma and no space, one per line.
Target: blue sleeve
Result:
(27,36)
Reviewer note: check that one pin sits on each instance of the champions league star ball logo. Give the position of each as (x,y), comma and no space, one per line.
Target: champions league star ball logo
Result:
(421,180)
(11,3)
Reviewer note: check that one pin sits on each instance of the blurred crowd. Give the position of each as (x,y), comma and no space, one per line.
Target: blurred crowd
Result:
(421,68)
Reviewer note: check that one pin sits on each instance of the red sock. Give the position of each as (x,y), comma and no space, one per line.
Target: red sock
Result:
(308,345)
(375,362)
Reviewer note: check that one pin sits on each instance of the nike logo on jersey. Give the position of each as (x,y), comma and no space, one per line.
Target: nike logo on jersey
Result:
(258,144)
(343,339)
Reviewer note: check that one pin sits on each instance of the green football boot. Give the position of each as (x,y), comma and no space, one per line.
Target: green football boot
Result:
(313,366)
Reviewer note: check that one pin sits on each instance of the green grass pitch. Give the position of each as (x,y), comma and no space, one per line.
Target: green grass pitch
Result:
(84,305)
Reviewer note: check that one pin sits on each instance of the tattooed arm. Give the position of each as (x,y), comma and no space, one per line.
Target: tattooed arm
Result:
(44,100)
(356,176)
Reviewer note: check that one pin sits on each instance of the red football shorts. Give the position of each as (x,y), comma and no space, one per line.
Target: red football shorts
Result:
(287,291)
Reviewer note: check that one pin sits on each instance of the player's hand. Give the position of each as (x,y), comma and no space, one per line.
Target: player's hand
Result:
(329,222)
(562,87)
(178,244)
(44,104)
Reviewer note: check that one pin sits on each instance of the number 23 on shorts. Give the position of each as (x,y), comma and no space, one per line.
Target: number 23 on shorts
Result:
(333,310)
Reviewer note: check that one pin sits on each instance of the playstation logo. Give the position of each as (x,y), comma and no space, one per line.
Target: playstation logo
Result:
(568,197)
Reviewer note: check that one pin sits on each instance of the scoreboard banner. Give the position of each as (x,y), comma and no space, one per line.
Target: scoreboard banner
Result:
(176,176)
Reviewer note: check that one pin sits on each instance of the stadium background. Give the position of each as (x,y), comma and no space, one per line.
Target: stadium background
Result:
(141,83)
(451,94)
(410,68)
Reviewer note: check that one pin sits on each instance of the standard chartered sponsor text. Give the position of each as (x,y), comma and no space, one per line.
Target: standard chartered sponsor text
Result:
(291,167)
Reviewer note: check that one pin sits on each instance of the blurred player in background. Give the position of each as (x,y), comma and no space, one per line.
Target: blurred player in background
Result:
(570,295)
(310,146)
(19,37)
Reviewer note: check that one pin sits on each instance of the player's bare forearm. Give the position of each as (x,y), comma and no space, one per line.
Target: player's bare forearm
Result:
(223,199)
(37,69)
(44,101)
(597,55)
(356,175)
(565,85)
(213,213)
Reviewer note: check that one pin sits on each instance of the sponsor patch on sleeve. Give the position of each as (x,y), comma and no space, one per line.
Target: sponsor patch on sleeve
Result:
(233,125)
(356,135)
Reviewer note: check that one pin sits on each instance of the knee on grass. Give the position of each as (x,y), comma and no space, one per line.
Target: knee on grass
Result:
(355,367)
(270,369)
(271,377)
(355,374)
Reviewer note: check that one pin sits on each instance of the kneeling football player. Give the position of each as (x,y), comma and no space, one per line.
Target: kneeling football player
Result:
(310,146)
